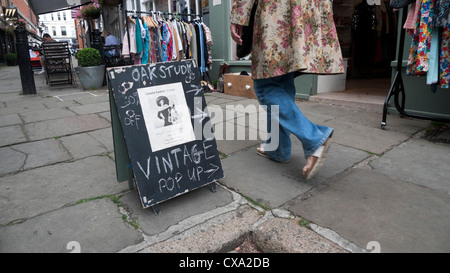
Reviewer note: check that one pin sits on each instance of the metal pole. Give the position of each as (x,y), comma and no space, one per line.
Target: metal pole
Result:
(26,71)
(97,41)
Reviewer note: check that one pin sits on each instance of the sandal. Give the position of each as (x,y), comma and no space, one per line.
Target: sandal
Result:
(260,152)
(318,158)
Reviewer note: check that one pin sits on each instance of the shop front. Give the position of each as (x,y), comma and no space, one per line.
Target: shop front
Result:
(369,33)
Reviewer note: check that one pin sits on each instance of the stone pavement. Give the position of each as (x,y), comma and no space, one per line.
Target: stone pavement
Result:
(379,190)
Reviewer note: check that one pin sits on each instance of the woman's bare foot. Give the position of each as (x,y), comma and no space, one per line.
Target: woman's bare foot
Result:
(260,151)
(315,161)
(310,161)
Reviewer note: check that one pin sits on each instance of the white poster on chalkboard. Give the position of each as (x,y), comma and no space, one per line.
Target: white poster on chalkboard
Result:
(166,115)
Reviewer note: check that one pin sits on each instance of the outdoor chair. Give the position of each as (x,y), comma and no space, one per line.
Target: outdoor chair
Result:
(57,64)
(116,59)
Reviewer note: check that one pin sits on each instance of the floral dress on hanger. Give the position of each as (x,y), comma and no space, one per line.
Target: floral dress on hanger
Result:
(430,18)
(443,20)
(421,41)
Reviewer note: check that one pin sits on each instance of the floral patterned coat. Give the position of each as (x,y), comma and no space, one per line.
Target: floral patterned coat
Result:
(291,36)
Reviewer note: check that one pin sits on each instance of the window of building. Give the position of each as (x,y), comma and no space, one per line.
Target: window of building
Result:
(59,16)
(54,31)
(64,16)
(63,31)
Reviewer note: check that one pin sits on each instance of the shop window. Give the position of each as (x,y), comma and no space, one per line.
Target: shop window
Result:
(180,6)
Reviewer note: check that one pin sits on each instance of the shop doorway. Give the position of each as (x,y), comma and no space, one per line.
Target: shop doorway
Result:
(367,34)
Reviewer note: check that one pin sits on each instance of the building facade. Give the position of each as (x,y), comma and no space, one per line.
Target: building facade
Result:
(26,15)
(60,25)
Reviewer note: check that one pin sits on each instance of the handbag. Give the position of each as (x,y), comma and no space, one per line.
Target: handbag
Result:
(398,4)
(247,35)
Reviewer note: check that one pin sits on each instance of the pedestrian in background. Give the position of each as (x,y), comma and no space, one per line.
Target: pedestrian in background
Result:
(47,39)
(290,38)
(110,40)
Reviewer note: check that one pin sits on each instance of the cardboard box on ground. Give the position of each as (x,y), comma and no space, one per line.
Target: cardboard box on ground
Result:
(239,85)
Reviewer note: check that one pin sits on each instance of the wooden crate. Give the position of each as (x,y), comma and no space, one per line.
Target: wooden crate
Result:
(238,85)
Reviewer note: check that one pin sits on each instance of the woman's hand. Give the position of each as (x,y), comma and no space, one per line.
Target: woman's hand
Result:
(236,32)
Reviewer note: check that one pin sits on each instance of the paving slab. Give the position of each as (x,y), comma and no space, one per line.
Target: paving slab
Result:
(11,135)
(41,153)
(82,145)
(92,96)
(319,112)
(103,136)
(395,121)
(11,160)
(65,126)
(365,206)
(90,108)
(30,193)
(46,114)
(232,137)
(174,211)
(418,161)
(21,105)
(11,119)
(9,96)
(106,115)
(92,227)
(365,138)
(52,101)
(274,184)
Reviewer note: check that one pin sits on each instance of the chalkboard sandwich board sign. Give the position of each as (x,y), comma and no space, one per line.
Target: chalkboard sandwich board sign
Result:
(163,117)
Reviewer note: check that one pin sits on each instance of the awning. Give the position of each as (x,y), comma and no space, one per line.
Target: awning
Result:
(41,7)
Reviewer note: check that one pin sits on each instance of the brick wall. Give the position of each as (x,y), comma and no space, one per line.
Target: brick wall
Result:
(25,9)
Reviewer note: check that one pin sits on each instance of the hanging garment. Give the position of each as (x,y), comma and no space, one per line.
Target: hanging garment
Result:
(194,47)
(442,21)
(156,45)
(177,42)
(187,52)
(129,46)
(429,32)
(411,19)
(442,13)
(166,43)
(420,45)
(444,60)
(200,52)
(146,42)
(433,59)
(139,43)
(182,29)
(291,36)
(209,44)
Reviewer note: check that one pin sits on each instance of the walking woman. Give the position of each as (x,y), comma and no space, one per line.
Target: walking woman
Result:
(290,38)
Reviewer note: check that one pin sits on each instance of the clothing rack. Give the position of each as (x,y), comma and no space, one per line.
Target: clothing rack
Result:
(163,13)
(397,86)
(198,17)
(153,13)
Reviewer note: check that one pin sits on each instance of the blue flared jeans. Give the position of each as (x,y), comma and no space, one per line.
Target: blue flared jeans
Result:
(277,94)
